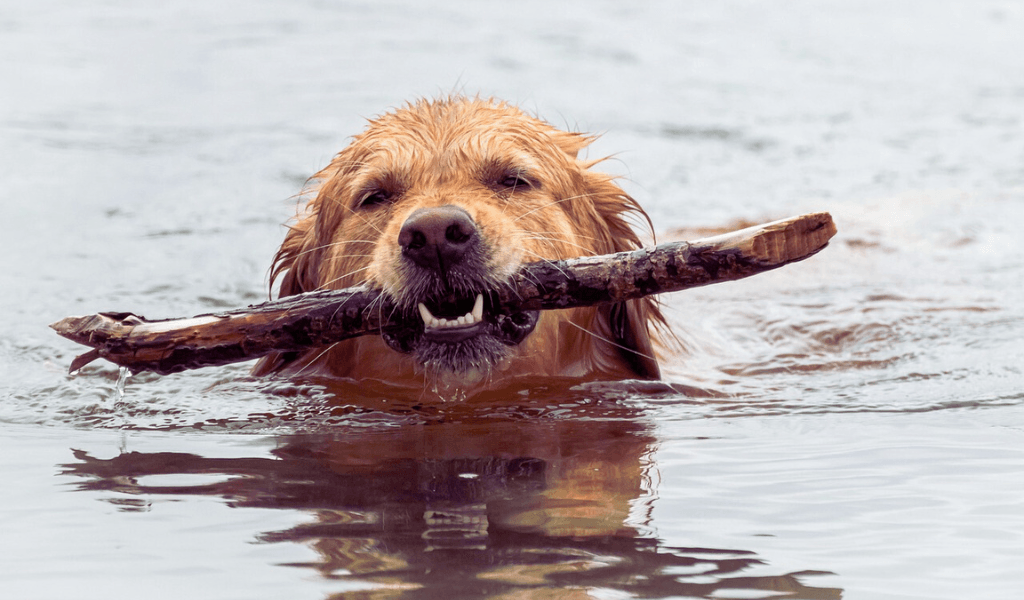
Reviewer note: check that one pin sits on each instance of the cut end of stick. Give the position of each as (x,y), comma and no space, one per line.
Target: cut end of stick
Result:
(779,242)
(66,325)
(94,330)
(795,239)
(76,329)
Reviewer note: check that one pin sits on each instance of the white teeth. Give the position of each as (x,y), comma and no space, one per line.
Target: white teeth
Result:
(478,308)
(471,318)
(425,313)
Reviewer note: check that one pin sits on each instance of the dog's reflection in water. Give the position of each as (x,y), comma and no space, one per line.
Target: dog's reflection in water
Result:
(463,503)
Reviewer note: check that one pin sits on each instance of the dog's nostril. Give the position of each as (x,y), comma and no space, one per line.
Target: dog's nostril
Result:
(438,238)
(456,235)
(416,241)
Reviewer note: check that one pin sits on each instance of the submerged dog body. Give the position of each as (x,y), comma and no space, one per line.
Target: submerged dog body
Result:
(436,204)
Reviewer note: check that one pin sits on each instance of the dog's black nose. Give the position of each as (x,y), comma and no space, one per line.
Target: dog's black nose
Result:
(438,238)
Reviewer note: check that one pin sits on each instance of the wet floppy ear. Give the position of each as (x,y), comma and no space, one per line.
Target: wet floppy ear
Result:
(296,262)
(628,325)
(629,328)
(299,259)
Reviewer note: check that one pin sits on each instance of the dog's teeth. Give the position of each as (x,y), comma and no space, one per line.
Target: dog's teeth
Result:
(429,320)
(478,309)
(471,318)
(425,313)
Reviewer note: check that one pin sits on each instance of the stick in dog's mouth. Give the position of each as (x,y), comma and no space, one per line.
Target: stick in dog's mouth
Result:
(509,313)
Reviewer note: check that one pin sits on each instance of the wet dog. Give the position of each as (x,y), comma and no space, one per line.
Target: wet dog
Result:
(436,204)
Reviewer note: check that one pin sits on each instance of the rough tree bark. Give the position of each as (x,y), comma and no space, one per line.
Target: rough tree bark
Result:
(324,317)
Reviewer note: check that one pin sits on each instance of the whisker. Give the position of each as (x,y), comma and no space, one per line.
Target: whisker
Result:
(365,220)
(341,306)
(318,357)
(380,310)
(548,261)
(607,341)
(589,251)
(540,257)
(560,233)
(375,304)
(340,277)
(332,244)
(341,256)
(530,212)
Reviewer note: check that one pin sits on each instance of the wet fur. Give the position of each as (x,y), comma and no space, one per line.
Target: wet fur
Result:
(465,152)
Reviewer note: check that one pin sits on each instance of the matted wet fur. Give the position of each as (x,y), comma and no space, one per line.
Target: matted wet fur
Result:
(436,204)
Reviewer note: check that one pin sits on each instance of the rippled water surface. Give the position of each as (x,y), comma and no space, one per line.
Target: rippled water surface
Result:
(850,426)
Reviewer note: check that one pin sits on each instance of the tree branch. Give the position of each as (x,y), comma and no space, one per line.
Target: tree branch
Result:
(320,318)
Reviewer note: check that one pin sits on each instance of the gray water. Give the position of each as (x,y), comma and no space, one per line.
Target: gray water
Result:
(850,426)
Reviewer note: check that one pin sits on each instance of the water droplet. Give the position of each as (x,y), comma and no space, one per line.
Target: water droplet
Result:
(122,379)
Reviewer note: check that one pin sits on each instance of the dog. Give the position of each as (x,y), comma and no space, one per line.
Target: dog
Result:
(437,203)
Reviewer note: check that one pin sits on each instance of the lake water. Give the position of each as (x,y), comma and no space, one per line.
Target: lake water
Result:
(850,426)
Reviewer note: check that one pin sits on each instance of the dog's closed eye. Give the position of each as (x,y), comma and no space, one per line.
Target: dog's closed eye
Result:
(381,191)
(375,197)
(506,178)
(516,181)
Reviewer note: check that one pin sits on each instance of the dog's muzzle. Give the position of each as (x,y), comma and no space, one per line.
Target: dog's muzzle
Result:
(454,324)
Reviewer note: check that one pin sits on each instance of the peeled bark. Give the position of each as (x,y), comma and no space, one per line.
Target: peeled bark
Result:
(320,318)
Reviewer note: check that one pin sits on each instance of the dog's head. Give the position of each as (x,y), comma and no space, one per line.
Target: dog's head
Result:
(437,204)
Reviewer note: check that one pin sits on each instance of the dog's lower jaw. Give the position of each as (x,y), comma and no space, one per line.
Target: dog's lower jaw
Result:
(473,351)
(476,348)
(469,362)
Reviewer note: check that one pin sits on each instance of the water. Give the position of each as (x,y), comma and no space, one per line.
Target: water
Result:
(851,426)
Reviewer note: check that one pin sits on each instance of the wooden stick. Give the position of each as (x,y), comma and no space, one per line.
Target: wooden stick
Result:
(320,318)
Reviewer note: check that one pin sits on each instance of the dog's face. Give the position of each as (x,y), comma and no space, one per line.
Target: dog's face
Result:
(437,204)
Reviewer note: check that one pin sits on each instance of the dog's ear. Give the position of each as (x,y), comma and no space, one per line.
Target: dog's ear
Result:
(627,325)
(297,261)
(629,329)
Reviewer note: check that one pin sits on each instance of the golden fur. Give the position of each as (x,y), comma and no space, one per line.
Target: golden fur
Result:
(528,197)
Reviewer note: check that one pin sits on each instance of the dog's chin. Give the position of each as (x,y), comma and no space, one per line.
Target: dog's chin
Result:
(482,341)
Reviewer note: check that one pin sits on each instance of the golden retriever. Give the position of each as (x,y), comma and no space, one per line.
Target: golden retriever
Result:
(436,204)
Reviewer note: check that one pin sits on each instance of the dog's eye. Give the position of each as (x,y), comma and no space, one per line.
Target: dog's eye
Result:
(375,198)
(504,178)
(514,181)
